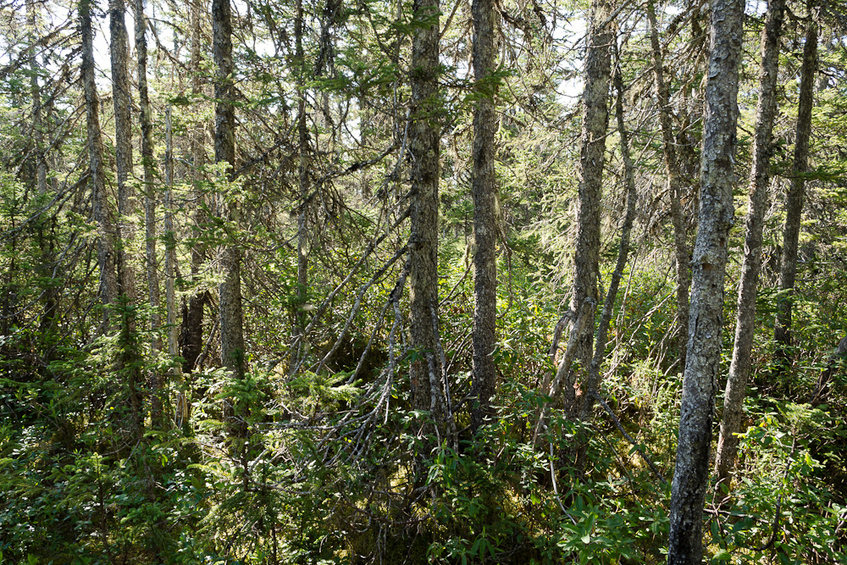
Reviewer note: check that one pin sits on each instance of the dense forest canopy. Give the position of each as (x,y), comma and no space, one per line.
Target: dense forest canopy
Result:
(515,281)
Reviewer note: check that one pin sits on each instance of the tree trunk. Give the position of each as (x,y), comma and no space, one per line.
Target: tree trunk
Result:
(426,372)
(192,324)
(106,254)
(592,159)
(593,385)
(150,231)
(796,192)
(709,264)
(181,412)
(232,333)
(486,218)
(300,347)
(122,102)
(674,186)
(45,242)
(739,369)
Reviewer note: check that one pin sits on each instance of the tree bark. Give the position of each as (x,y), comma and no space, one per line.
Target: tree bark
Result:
(231,318)
(426,372)
(191,339)
(300,347)
(674,186)
(593,384)
(486,220)
(739,369)
(797,190)
(122,102)
(592,159)
(709,264)
(150,230)
(106,253)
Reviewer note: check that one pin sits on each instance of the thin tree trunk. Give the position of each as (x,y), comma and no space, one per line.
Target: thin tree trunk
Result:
(484,188)
(232,333)
(426,370)
(691,474)
(150,230)
(739,369)
(593,385)
(45,242)
(106,253)
(122,102)
(181,412)
(797,190)
(192,323)
(592,159)
(674,186)
(300,347)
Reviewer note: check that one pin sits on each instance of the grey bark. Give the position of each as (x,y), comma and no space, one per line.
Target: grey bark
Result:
(595,121)
(674,185)
(145,118)
(484,189)
(106,253)
(739,369)
(231,318)
(426,372)
(122,102)
(709,264)
(45,243)
(797,189)
(593,384)
(192,324)
(181,412)
(300,346)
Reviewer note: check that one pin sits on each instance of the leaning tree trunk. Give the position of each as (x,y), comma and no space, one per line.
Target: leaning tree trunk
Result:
(426,372)
(232,333)
(106,245)
(739,369)
(674,186)
(717,179)
(796,192)
(484,191)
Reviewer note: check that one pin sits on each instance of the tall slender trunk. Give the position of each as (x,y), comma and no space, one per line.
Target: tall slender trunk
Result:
(181,412)
(122,102)
(150,230)
(717,180)
(484,189)
(426,372)
(231,318)
(797,190)
(592,159)
(192,324)
(674,186)
(593,383)
(739,369)
(300,347)
(45,241)
(106,252)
